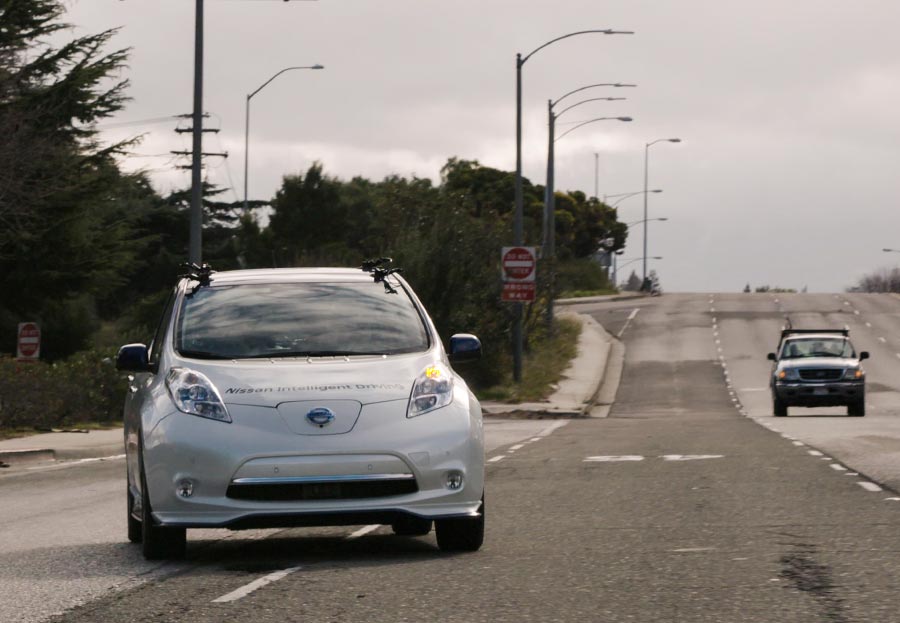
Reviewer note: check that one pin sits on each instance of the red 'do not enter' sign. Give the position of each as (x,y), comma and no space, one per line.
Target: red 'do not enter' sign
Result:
(29,342)
(518,264)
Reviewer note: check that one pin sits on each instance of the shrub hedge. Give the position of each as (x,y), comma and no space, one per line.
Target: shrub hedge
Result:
(83,388)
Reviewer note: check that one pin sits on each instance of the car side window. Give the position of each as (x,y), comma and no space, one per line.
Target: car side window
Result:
(156,344)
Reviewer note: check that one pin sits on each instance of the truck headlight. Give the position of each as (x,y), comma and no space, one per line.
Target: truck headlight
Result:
(854,374)
(195,394)
(787,374)
(432,390)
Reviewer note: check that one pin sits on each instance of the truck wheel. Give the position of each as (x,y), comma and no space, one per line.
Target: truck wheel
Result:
(779,408)
(857,409)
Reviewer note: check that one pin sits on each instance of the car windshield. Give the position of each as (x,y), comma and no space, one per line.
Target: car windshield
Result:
(298,320)
(817,347)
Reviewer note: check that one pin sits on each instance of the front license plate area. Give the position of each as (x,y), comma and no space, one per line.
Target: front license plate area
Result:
(323,491)
(820,391)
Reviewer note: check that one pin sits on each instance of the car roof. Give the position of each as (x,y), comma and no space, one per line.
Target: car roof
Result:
(282,275)
(816,336)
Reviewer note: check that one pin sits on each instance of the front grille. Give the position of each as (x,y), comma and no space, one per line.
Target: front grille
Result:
(821,374)
(328,490)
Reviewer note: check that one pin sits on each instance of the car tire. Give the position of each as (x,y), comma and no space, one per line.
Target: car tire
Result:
(411,526)
(158,542)
(464,534)
(134,525)
(856,409)
(779,408)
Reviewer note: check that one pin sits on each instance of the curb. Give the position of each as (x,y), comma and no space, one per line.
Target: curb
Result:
(599,299)
(27,455)
(540,410)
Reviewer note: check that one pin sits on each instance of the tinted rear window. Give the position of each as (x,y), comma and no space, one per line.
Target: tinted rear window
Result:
(298,319)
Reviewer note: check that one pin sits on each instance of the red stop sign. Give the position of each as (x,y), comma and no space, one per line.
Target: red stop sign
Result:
(29,342)
(518,263)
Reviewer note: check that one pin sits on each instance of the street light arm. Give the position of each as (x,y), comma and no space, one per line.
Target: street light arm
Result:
(625,196)
(638,259)
(661,218)
(593,99)
(591,86)
(663,140)
(607,31)
(266,83)
(584,123)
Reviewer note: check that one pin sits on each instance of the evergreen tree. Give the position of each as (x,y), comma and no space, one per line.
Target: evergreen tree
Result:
(63,234)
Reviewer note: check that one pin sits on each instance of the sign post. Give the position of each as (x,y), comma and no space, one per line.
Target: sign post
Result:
(518,265)
(28,345)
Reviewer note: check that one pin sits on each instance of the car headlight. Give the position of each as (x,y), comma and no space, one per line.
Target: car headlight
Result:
(432,390)
(195,394)
(854,374)
(787,374)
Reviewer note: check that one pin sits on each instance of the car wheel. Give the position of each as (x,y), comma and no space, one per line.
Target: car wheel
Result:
(779,408)
(134,525)
(465,534)
(159,543)
(411,526)
(857,409)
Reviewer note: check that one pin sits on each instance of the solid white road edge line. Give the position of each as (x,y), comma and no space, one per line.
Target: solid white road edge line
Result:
(628,322)
(254,585)
(549,430)
(67,464)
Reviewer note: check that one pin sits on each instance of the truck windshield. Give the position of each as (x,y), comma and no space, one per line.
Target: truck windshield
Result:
(298,320)
(817,347)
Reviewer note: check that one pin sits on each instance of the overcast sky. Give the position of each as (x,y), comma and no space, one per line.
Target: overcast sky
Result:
(788,111)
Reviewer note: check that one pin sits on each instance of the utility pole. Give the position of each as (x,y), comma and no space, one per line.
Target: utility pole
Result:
(596,174)
(195,255)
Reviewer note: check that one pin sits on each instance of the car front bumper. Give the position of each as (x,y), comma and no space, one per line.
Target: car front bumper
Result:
(805,394)
(255,472)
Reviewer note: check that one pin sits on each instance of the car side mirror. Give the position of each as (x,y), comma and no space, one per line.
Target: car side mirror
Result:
(864,355)
(771,357)
(464,347)
(133,358)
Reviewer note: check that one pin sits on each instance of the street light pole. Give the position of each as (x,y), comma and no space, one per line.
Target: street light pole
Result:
(550,193)
(646,173)
(247,124)
(517,214)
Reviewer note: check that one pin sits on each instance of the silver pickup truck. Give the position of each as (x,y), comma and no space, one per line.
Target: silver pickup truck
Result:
(817,368)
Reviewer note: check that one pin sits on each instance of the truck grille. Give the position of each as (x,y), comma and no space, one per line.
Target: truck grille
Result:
(821,374)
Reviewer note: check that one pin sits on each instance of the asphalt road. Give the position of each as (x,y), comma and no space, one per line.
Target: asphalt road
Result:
(676,507)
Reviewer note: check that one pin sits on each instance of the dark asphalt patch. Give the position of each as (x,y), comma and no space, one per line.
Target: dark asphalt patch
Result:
(805,574)
(673,388)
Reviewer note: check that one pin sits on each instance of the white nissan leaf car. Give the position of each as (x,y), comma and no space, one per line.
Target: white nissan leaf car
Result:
(300,397)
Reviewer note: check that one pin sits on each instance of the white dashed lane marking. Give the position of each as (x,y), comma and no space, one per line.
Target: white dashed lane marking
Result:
(497,458)
(613,458)
(254,585)
(869,486)
(361,532)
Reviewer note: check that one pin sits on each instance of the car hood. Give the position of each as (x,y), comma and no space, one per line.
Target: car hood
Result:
(270,382)
(818,363)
